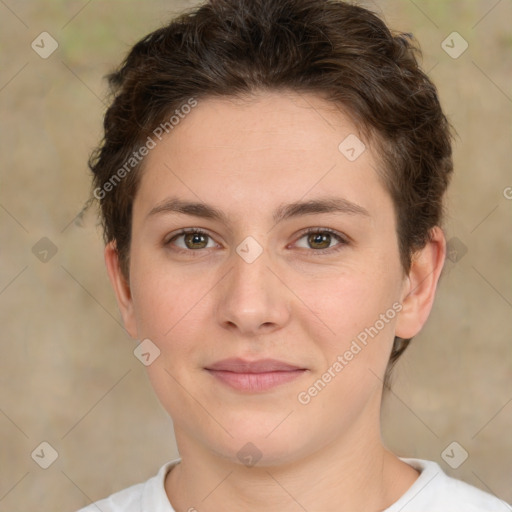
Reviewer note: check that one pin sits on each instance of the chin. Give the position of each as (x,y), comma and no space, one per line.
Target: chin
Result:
(252,446)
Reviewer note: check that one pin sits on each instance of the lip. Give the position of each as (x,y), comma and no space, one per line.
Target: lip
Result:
(254,376)
(238,365)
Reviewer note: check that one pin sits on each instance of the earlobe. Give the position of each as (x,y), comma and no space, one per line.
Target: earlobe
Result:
(420,285)
(121,288)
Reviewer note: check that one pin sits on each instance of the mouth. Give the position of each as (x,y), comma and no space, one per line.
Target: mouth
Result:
(254,376)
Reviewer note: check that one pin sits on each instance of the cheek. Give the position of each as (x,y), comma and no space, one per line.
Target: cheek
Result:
(174,310)
(360,311)
(152,309)
(163,298)
(351,301)
(169,313)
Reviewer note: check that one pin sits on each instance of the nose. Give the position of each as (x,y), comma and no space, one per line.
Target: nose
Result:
(252,298)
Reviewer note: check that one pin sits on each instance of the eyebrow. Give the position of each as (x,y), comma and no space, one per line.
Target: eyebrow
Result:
(283,212)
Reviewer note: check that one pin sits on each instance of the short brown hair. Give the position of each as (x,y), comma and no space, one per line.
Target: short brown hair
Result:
(342,52)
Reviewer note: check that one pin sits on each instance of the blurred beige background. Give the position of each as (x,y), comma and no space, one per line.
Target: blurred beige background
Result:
(67,370)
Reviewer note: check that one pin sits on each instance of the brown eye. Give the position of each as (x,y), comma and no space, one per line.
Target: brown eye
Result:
(195,240)
(321,240)
(191,240)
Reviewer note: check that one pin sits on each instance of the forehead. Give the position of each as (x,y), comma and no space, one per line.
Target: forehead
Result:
(271,148)
(286,120)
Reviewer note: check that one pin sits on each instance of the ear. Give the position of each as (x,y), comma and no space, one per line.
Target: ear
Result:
(420,285)
(121,288)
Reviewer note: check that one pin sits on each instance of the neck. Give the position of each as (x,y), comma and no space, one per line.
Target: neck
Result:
(358,474)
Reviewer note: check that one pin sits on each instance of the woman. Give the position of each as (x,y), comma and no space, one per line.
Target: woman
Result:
(271,185)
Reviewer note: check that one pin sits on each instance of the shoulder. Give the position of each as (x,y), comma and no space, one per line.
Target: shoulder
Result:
(435,491)
(127,500)
(149,495)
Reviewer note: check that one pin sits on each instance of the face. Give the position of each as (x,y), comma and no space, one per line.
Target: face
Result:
(275,312)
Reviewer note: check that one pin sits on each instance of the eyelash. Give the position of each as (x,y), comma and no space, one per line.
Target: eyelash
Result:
(343,240)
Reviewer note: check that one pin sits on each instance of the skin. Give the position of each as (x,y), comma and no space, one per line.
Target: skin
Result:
(205,304)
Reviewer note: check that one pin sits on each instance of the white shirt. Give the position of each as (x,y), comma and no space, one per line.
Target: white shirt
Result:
(433,491)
